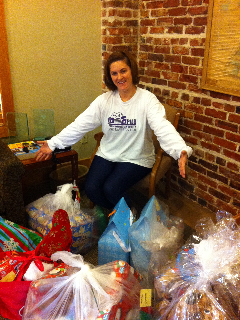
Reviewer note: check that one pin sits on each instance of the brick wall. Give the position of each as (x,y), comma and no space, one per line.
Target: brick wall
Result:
(168,38)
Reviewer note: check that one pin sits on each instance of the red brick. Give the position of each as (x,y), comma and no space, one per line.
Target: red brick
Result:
(160,82)
(131,23)
(194,88)
(191,2)
(207,181)
(119,31)
(171,3)
(146,48)
(219,95)
(220,161)
(164,21)
(197,52)
(154,5)
(190,61)
(188,78)
(176,12)
(170,75)
(206,102)
(156,30)
(195,30)
(191,140)
(237,99)
(176,29)
(155,57)
(112,40)
(175,104)
(147,22)
(180,50)
(229,108)
(184,21)
(202,136)
(214,131)
(196,100)
(226,125)
(209,157)
(183,41)
(235,185)
(174,95)
(225,143)
(162,49)
(218,177)
(152,73)
(233,166)
(216,114)
(185,96)
(210,146)
(143,30)
(125,13)
(234,118)
(200,21)
(229,174)
(229,191)
(144,13)
(194,10)
(201,186)
(196,71)
(172,58)
(226,207)
(193,125)
(197,42)
(218,105)
(233,137)
(146,79)
(232,155)
(179,68)
(203,119)
(162,66)
(114,4)
(176,85)
(204,195)
(195,108)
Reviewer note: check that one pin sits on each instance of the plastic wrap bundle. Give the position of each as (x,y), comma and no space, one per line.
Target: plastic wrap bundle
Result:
(153,238)
(80,293)
(84,223)
(205,282)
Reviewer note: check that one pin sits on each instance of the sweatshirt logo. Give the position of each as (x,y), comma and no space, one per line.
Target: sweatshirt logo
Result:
(118,122)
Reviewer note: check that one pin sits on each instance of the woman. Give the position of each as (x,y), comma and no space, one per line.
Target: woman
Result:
(127,115)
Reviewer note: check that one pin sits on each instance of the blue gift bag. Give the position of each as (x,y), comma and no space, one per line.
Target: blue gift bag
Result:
(114,242)
(140,231)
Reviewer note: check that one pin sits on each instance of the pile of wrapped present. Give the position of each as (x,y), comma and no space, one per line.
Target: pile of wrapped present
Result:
(146,270)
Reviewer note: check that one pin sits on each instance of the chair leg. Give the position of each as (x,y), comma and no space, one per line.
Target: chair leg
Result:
(168,183)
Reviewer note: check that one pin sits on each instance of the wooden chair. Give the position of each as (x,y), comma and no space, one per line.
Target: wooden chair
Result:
(163,163)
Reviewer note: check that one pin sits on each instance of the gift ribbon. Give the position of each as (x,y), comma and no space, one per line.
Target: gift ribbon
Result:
(120,242)
(26,258)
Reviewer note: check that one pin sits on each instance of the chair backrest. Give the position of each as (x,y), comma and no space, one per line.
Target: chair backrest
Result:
(173,116)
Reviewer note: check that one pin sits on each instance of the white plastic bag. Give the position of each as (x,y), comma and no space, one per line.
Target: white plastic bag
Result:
(80,295)
(84,223)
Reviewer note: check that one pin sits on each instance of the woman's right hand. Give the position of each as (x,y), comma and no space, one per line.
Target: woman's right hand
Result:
(44,153)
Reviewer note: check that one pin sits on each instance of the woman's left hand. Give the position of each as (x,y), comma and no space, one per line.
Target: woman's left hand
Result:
(182,162)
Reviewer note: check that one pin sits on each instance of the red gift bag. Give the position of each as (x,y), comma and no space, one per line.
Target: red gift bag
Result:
(13,296)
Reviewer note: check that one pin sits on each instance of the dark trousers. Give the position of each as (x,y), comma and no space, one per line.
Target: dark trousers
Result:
(107,181)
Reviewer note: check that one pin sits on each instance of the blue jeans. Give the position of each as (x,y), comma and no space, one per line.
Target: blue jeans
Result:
(107,181)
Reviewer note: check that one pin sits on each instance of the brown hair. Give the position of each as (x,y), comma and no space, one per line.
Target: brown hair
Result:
(120,56)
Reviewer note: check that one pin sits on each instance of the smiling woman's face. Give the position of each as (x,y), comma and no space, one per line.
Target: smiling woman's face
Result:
(121,75)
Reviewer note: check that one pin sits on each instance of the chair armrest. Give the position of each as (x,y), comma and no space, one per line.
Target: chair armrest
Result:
(154,172)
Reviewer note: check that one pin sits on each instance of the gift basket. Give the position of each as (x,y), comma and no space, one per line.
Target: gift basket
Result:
(204,283)
(83,292)
(86,224)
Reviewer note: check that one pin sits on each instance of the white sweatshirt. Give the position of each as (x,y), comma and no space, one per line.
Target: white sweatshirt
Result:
(126,127)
